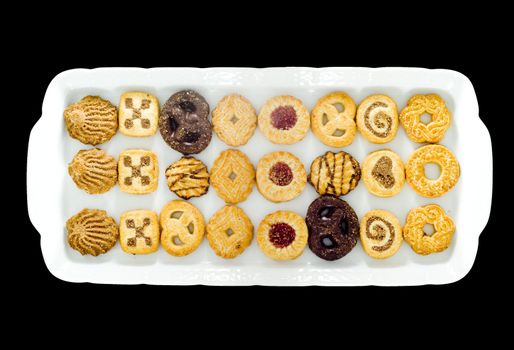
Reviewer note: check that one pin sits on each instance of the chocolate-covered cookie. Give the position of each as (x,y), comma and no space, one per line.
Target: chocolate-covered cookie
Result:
(184,122)
(333,227)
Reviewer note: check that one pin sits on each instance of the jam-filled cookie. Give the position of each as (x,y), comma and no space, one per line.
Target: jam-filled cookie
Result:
(333,119)
(281,176)
(335,173)
(229,232)
(381,234)
(282,235)
(234,120)
(139,232)
(94,171)
(383,173)
(284,120)
(183,228)
(377,118)
(138,171)
(138,114)
(416,129)
(188,177)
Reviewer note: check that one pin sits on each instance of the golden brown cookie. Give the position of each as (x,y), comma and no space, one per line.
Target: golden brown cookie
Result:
(92,232)
(138,114)
(139,232)
(383,173)
(229,232)
(377,118)
(138,171)
(333,119)
(183,228)
(188,177)
(415,170)
(93,171)
(234,120)
(335,173)
(419,241)
(381,234)
(92,120)
(432,104)
(232,176)
(281,176)
(284,120)
(282,235)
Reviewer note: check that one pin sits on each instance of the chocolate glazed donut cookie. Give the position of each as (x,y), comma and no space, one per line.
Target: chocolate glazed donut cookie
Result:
(333,227)
(184,122)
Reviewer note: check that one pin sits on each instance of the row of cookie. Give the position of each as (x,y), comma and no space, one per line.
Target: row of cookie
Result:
(331,229)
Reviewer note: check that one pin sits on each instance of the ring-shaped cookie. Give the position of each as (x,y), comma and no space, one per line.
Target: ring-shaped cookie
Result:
(377,118)
(383,173)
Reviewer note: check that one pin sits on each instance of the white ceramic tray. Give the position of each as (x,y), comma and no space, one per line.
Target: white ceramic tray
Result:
(53,197)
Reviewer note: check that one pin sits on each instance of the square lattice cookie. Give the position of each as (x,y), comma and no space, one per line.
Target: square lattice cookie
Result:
(139,232)
(138,114)
(138,171)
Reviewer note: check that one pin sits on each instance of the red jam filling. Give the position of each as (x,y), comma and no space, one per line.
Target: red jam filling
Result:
(281,174)
(283,117)
(281,235)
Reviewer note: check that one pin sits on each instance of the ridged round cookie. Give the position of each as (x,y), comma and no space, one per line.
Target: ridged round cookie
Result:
(229,232)
(92,232)
(383,173)
(234,120)
(94,171)
(377,118)
(188,177)
(381,234)
(335,173)
(92,120)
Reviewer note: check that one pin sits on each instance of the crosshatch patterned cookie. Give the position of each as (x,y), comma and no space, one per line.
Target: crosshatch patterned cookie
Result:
(93,171)
(335,173)
(234,120)
(383,173)
(381,234)
(188,177)
(377,118)
(138,114)
(138,171)
(139,232)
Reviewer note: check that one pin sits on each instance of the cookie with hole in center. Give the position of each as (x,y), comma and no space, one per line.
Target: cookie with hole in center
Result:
(383,173)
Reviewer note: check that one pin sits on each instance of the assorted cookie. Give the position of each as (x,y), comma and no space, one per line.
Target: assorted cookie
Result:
(234,120)
(377,118)
(335,173)
(381,234)
(138,114)
(138,171)
(93,171)
(188,177)
(383,173)
(139,232)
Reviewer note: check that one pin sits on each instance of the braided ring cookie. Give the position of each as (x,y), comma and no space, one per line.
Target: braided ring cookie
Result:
(377,118)
(284,120)
(229,232)
(333,119)
(415,170)
(418,131)
(420,242)
(335,173)
(383,173)
(232,176)
(381,234)
(234,120)
(281,176)
(282,235)
(188,177)
(183,228)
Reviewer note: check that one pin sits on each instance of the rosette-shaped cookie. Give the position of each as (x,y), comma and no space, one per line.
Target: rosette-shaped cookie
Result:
(94,171)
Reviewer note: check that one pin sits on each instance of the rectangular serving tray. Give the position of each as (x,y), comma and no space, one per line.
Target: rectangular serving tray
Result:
(53,197)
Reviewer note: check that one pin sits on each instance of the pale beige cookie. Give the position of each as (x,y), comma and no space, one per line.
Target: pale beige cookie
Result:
(333,119)
(281,176)
(234,120)
(139,232)
(381,234)
(138,114)
(383,173)
(282,235)
(415,170)
(232,176)
(92,232)
(92,120)
(188,177)
(335,173)
(377,118)
(138,171)
(284,120)
(420,242)
(93,171)
(183,228)
(229,232)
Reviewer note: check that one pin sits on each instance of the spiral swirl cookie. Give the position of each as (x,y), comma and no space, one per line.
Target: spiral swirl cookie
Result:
(282,235)
(419,241)
(139,232)
(410,117)
(92,120)
(335,173)
(333,227)
(377,118)
(188,177)
(184,122)
(383,173)
(333,119)
(92,232)
(232,176)
(381,234)
(138,114)
(415,170)
(284,120)
(93,171)
(183,228)
(234,120)
(229,232)
(281,176)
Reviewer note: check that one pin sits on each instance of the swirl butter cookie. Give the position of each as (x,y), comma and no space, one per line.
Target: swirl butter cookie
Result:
(232,176)
(381,234)
(188,177)
(138,114)
(377,118)
(138,171)
(383,173)
(139,232)
(234,120)
(93,171)
(335,173)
